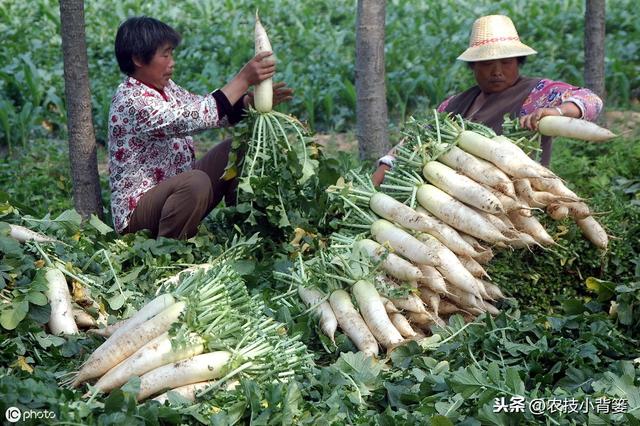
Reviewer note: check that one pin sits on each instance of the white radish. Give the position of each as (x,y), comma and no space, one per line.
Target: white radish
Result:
(148,311)
(461,187)
(352,323)
(473,266)
(411,302)
(558,211)
(458,215)
(432,279)
(417,220)
(22,234)
(533,227)
(498,153)
(108,330)
(493,290)
(477,169)
(189,392)
(574,128)
(402,242)
(375,315)
(393,264)
(61,319)
(212,365)
(120,345)
(83,319)
(431,299)
(315,299)
(156,353)
(401,324)
(450,266)
(449,236)
(263,98)
(578,210)
(594,232)
(554,186)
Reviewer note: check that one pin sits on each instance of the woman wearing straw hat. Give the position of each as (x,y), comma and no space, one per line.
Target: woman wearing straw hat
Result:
(494,55)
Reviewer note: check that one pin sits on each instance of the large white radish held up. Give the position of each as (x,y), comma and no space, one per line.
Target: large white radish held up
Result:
(574,128)
(263,97)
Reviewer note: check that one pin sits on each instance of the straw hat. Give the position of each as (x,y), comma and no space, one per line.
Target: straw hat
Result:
(494,37)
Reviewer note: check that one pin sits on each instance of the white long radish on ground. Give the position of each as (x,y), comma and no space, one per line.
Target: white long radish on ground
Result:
(594,232)
(578,209)
(22,234)
(432,279)
(538,199)
(120,345)
(418,220)
(212,365)
(83,319)
(458,215)
(375,315)
(189,392)
(450,266)
(493,290)
(148,311)
(474,267)
(61,319)
(108,330)
(263,98)
(573,128)
(402,242)
(411,302)
(554,186)
(401,323)
(558,211)
(322,309)
(533,227)
(393,264)
(352,323)
(431,299)
(498,153)
(477,169)
(461,187)
(449,236)
(157,352)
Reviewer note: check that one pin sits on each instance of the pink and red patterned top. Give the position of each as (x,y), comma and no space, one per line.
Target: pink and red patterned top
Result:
(150,138)
(549,93)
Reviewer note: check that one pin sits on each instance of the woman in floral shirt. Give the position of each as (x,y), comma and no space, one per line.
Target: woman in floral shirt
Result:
(155,181)
(494,55)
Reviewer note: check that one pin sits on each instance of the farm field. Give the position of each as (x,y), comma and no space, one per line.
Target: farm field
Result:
(567,332)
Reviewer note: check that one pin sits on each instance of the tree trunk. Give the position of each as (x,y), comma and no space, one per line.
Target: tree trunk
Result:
(371,104)
(82,141)
(594,31)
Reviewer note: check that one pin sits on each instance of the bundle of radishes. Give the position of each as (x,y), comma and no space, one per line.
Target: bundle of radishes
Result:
(412,252)
(203,330)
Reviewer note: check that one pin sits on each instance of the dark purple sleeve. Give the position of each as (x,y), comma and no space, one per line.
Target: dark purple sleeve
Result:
(234,113)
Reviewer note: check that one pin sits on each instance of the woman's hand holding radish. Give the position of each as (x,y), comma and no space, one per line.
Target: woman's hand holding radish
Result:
(260,68)
(567,109)
(281,93)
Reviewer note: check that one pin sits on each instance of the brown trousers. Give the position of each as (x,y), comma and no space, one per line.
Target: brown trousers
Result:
(175,207)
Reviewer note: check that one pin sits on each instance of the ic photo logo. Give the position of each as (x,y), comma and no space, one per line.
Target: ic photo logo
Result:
(13,414)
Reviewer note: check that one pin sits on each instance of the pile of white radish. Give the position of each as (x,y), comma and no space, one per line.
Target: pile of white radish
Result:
(193,339)
(453,197)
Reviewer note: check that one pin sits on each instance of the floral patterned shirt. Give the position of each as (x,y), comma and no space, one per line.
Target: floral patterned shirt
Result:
(549,93)
(150,137)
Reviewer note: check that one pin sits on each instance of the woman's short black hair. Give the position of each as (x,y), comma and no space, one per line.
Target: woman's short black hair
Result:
(141,37)
(521,61)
